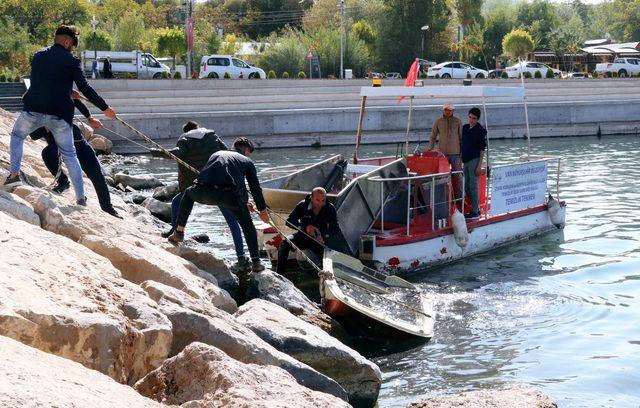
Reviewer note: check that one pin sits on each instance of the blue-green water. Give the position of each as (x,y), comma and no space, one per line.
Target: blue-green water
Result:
(560,313)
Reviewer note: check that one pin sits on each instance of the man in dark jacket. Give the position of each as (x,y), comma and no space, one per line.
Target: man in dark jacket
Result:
(195,146)
(86,156)
(106,68)
(48,103)
(315,221)
(222,182)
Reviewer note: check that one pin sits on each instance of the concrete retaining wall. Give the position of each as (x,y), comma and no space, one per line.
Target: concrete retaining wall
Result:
(302,113)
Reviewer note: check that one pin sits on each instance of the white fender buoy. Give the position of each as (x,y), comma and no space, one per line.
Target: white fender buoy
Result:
(460,232)
(555,213)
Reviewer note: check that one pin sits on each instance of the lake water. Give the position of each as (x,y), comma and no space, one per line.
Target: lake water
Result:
(560,313)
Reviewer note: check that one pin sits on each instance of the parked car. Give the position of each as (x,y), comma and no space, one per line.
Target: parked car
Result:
(137,64)
(531,67)
(496,73)
(393,75)
(622,66)
(576,75)
(456,69)
(216,66)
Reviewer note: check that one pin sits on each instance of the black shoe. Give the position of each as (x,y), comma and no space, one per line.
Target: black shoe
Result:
(257,266)
(167,234)
(472,215)
(82,201)
(14,181)
(61,186)
(112,211)
(243,264)
(176,237)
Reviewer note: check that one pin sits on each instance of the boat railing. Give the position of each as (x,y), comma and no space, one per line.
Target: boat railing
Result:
(431,178)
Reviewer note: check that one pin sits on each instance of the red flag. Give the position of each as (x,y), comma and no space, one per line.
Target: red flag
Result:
(412,75)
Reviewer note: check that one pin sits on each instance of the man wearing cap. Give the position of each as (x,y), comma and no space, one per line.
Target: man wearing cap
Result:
(222,182)
(48,103)
(448,131)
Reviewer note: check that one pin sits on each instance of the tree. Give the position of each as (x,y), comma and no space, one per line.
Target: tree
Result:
(288,53)
(539,18)
(230,44)
(103,41)
(129,32)
(468,12)
(15,49)
(497,23)
(171,41)
(517,43)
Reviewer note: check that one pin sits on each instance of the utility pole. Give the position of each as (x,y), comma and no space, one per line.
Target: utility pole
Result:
(423,30)
(188,27)
(94,25)
(341,7)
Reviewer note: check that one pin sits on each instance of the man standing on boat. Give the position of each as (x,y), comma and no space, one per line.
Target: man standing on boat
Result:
(474,143)
(315,221)
(222,182)
(447,130)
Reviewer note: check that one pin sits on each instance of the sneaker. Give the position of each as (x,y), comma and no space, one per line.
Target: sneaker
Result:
(257,266)
(243,264)
(472,216)
(14,181)
(61,186)
(112,211)
(82,201)
(167,233)
(176,237)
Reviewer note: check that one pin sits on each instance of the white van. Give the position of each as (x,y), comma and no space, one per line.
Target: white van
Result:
(138,64)
(215,66)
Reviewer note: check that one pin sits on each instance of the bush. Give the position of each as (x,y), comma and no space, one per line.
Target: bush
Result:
(3,78)
(302,75)
(212,75)
(504,75)
(271,74)
(614,74)
(164,75)
(128,75)
(549,73)
(437,76)
(17,78)
(468,75)
(285,75)
(538,74)
(527,75)
(594,74)
(177,75)
(423,74)
(227,75)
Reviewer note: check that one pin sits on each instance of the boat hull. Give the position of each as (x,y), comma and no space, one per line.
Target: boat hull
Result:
(412,256)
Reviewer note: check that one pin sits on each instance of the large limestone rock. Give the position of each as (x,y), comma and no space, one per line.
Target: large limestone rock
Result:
(18,208)
(166,193)
(140,182)
(204,376)
(158,208)
(74,303)
(311,345)
(221,330)
(158,292)
(31,378)
(509,397)
(101,144)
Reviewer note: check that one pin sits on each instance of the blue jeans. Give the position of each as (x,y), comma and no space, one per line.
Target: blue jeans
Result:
(26,123)
(236,233)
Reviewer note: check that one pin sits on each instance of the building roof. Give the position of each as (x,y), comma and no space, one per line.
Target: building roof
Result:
(621,48)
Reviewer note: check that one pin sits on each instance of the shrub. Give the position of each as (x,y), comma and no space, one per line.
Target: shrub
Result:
(212,75)
(164,75)
(437,76)
(549,73)
(302,75)
(271,74)
(468,75)
(227,75)
(3,78)
(594,74)
(128,75)
(614,74)
(285,75)
(17,78)
(538,74)
(423,74)
(504,75)
(177,75)
(527,75)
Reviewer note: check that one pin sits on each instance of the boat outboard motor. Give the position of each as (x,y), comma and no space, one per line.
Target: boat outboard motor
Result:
(460,232)
(553,208)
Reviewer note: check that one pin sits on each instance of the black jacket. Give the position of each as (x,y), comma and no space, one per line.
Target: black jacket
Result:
(53,72)
(228,169)
(302,216)
(195,147)
(77,133)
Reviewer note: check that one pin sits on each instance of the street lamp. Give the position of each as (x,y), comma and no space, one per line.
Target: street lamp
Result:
(94,24)
(424,30)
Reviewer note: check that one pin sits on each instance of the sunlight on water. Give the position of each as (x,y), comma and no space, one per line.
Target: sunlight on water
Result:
(560,313)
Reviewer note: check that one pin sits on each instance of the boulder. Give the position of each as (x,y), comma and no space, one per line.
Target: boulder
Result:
(158,292)
(158,208)
(101,144)
(138,198)
(221,330)
(201,238)
(311,345)
(31,378)
(204,376)
(18,208)
(166,193)
(141,182)
(74,303)
(508,397)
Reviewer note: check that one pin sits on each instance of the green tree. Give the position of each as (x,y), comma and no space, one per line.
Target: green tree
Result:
(498,22)
(103,41)
(15,49)
(539,18)
(287,53)
(171,41)
(517,43)
(130,32)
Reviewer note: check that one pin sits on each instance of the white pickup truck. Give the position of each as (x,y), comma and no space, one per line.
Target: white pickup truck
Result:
(624,67)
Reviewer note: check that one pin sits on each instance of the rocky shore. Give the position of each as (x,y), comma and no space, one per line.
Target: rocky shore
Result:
(97,311)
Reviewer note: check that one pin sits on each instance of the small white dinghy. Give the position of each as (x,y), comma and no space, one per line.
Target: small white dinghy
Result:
(378,304)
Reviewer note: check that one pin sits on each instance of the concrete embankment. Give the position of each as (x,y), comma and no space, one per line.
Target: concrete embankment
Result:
(282,113)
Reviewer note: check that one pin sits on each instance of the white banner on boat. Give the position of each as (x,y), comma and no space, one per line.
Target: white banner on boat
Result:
(518,186)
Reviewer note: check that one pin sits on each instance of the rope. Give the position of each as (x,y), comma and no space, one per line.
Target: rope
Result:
(126,138)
